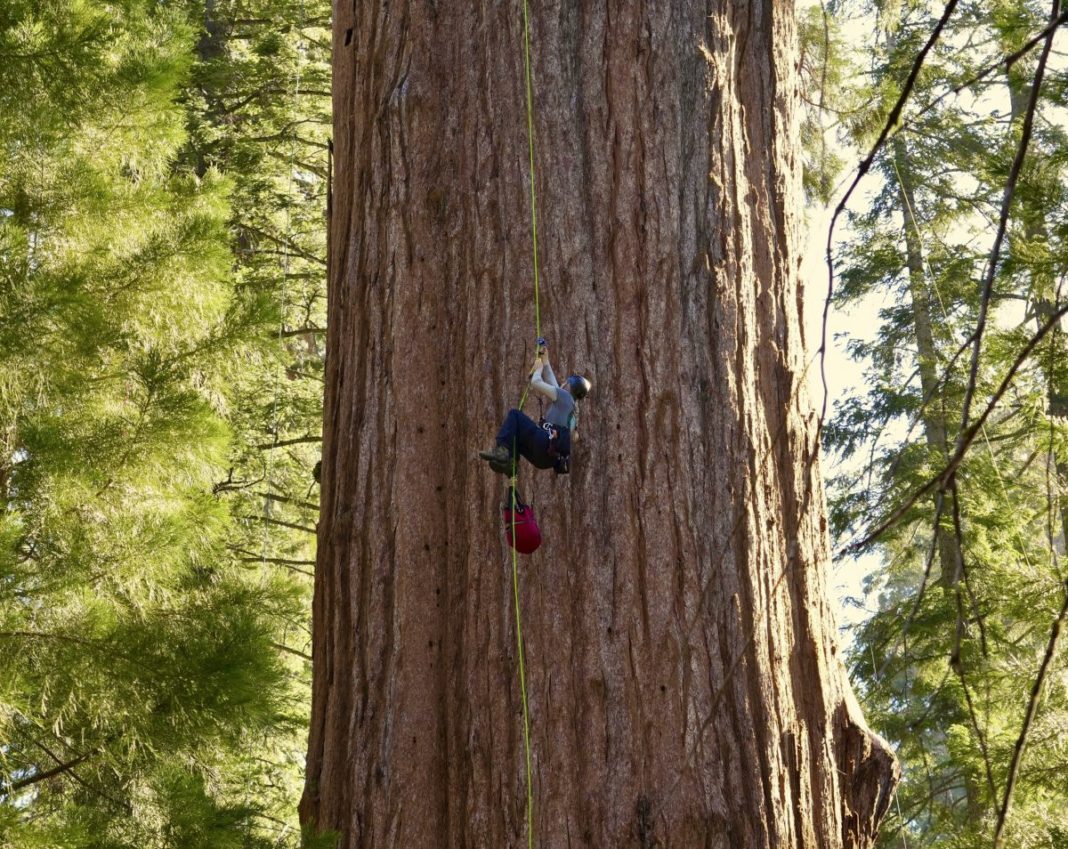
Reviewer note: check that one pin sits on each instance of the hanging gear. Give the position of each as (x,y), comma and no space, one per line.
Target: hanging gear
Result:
(559,447)
(578,386)
(520,526)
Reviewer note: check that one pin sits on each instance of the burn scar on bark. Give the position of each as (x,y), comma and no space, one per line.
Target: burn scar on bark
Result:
(867,772)
(644,813)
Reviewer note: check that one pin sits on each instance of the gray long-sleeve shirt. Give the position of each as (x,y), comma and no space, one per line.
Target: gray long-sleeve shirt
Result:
(563,412)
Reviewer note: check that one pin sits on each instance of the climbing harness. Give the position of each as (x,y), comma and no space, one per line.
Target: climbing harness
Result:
(559,447)
(554,437)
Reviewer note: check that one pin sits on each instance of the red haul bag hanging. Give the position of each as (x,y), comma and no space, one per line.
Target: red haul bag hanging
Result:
(519,517)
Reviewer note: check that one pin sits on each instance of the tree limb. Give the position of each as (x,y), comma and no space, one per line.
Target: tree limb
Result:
(942,478)
(300,440)
(1029,718)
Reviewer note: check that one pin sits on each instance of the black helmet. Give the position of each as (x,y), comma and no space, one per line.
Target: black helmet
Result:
(578,386)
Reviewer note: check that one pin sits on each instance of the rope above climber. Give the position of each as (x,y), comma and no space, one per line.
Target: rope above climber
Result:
(545,444)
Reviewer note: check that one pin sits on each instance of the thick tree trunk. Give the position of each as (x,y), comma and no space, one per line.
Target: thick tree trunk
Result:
(681,658)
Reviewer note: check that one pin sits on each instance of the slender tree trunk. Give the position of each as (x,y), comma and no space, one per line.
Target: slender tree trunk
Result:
(680,651)
(950,560)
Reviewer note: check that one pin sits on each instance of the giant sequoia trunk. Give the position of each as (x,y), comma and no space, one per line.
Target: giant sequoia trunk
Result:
(681,658)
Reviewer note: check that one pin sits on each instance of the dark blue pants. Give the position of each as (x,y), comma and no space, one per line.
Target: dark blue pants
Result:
(522,433)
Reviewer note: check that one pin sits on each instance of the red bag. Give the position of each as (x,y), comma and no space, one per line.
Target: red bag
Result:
(516,514)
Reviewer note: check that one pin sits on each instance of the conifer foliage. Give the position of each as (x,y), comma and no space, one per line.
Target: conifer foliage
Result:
(161,200)
(960,663)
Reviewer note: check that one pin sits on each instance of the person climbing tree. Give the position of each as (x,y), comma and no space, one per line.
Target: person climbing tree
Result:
(545,444)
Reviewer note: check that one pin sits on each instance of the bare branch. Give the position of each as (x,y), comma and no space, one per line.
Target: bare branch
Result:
(292,651)
(300,440)
(1005,62)
(291,565)
(292,525)
(1029,718)
(941,479)
(296,502)
(302,331)
(862,170)
(37,777)
(1003,221)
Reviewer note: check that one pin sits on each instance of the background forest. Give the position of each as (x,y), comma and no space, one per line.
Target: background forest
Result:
(954,450)
(163,179)
(164,172)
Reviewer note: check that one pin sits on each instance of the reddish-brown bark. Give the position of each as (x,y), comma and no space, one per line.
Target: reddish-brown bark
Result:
(680,651)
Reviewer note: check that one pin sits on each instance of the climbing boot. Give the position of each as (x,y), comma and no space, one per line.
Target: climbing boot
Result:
(498,454)
(504,468)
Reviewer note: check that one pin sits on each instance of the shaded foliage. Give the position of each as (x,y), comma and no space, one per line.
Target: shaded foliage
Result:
(153,678)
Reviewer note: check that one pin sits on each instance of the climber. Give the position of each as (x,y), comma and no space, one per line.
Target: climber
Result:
(546,445)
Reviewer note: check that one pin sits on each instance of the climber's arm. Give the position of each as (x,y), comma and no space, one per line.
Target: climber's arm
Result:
(538,382)
(547,371)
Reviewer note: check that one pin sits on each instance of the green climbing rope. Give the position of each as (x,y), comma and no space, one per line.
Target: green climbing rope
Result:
(515,454)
